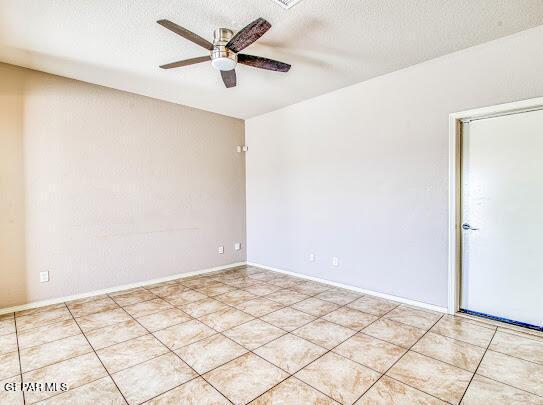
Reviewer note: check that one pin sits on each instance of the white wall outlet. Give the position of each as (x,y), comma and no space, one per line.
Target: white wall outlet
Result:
(221,250)
(335,261)
(44,276)
(237,246)
(311,257)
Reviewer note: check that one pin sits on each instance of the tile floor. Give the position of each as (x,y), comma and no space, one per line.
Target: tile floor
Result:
(248,335)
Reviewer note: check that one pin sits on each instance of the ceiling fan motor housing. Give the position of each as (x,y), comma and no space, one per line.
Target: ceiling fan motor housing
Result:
(223,58)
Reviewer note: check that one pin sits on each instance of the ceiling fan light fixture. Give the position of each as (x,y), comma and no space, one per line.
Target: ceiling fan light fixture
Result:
(223,63)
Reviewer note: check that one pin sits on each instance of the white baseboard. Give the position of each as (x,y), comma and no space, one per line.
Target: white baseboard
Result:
(413,303)
(59,300)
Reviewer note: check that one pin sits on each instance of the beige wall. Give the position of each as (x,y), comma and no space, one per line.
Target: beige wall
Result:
(103,188)
(362,173)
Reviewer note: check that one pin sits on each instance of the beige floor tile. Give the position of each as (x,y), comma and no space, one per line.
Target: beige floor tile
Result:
(133,297)
(214,290)
(185,297)
(102,319)
(210,353)
(124,291)
(293,392)
(420,319)
(194,392)
(245,378)
(7,326)
(338,296)
(199,282)
(396,333)
(262,289)
(74,372)
(200,308)
(452,351)
(370,352)
(485,391)
(166,290)
(466,331)
(9,394)
(310,288)
(389,391)
(127,354)
(113,334)
(259,306)
(287,297)
(241,282)
(79,309)
(324,333)
(254,333)
(102,391)
(350,318)
(53,352)
(288,318)
(154,377)
(235,297)
(290,352)
(42,318)
(285,282)
(225,319)
(32,311)
(518,346)
(510,370)
(183,334)
(264,276)
(48,333)
(147,307)
(163,319)
(434,377)
(8,343)
(315,307)
(9,366)
(338,377)
(373,306)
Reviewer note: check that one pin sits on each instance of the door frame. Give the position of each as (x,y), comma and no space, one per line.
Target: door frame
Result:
(455,175)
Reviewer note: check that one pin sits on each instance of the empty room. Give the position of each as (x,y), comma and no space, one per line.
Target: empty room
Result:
(271,202)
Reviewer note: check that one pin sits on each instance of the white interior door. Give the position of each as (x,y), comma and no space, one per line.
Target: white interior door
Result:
(502,207)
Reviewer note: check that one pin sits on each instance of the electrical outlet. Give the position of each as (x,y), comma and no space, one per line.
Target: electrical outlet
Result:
(221,250)
(311,257)
(237,246)
(44,276)
(335,261)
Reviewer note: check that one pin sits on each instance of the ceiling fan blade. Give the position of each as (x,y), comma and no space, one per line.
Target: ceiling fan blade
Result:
(229,78)
(263,63)
(185,33)
(185,62)
(248,35)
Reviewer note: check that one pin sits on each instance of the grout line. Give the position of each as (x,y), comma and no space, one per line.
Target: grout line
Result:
(399,358)
(325,348)
(99,359)
(19,356)
(478,365)
(221,333)
(175,354)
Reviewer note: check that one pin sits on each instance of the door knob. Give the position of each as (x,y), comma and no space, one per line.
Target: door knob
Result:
(468,227)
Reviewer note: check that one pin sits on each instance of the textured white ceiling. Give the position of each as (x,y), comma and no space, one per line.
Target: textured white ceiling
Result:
(330,43)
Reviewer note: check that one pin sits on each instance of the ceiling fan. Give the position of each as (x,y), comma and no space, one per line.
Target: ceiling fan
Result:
(224,51)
